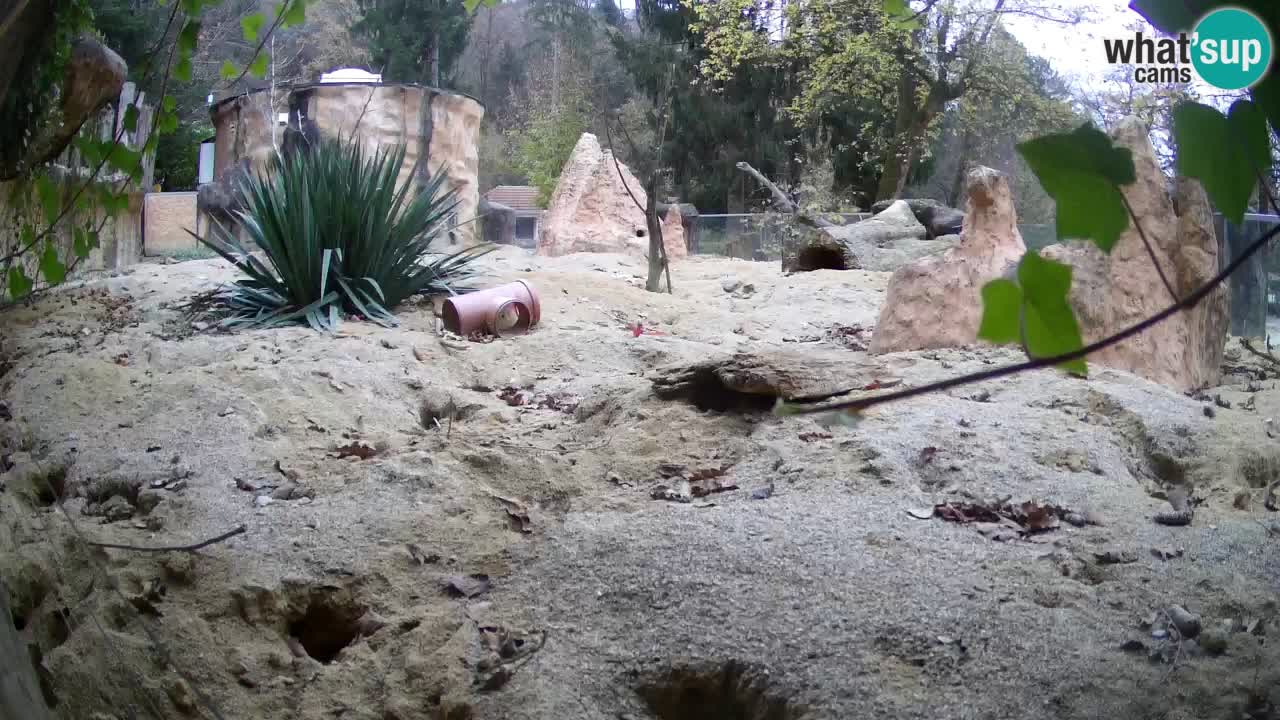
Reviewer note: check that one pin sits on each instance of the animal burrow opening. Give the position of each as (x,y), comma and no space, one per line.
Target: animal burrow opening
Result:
(727,691)
(820,258)
(708,392)
(329,624)
(51,486)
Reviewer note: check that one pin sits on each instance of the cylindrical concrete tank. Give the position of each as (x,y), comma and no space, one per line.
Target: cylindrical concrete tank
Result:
(442,128)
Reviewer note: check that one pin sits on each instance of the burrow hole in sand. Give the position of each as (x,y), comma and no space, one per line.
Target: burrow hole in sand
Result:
(329,624)
(728,691)
(707,392)
(820,258)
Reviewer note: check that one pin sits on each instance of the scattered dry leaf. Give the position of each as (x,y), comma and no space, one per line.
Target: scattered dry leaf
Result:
(814,436)
(512,396)
(517,514)
(356,449)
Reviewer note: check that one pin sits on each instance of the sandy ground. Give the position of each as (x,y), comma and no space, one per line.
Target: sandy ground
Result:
(508,561)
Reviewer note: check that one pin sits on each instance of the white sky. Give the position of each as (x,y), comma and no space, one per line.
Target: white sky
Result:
(1076,51)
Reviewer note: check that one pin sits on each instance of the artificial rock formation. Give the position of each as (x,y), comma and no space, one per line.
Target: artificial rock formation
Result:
(1112,292)
(861,245)
(938,219)
(596,208)
(95,76)
(936,301)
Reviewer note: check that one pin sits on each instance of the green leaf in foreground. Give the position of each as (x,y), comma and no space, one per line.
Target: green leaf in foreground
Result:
(131,118)
(901,14)
(182,69)
(229,70)
(50,198)
(259,66)
(1038,301)
(1050,321)
(1267,95)
(188,38)
(1083,172)
(295,13)
(19,284)
(1223,152)
(51,266)
(81,243)
(251,25)
(1001,306)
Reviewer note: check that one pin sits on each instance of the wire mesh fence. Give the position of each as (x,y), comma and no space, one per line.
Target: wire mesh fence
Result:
(1255,286)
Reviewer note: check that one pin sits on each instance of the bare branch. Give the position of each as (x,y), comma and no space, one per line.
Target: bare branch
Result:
(175,548)
(1151,252)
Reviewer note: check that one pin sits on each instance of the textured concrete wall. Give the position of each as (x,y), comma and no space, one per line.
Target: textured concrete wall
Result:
(166,217)
(441,129)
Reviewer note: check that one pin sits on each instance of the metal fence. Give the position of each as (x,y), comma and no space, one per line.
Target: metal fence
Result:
(747,236)
(760,236)
(1255,301)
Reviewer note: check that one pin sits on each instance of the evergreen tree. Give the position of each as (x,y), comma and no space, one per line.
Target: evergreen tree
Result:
(414,40)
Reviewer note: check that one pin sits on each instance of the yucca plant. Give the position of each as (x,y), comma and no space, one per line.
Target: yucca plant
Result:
(337,236)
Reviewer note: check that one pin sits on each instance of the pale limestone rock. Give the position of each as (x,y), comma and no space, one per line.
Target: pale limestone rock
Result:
(1112,292)
(596,208)
(936,301)
(673,238)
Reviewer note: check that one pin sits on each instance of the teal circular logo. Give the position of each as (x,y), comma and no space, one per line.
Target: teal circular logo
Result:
(1232,49)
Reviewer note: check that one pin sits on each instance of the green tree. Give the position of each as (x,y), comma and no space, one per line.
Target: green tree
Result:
(414,40)
(893,77)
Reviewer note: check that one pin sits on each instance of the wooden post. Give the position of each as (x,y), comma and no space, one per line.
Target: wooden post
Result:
(20,697)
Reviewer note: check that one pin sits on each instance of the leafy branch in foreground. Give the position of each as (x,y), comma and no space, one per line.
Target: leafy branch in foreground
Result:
(338,235)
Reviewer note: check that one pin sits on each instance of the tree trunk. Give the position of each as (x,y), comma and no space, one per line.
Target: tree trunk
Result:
(903,122)
(657,249)
(435,61)
(962,164)
(488,53)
